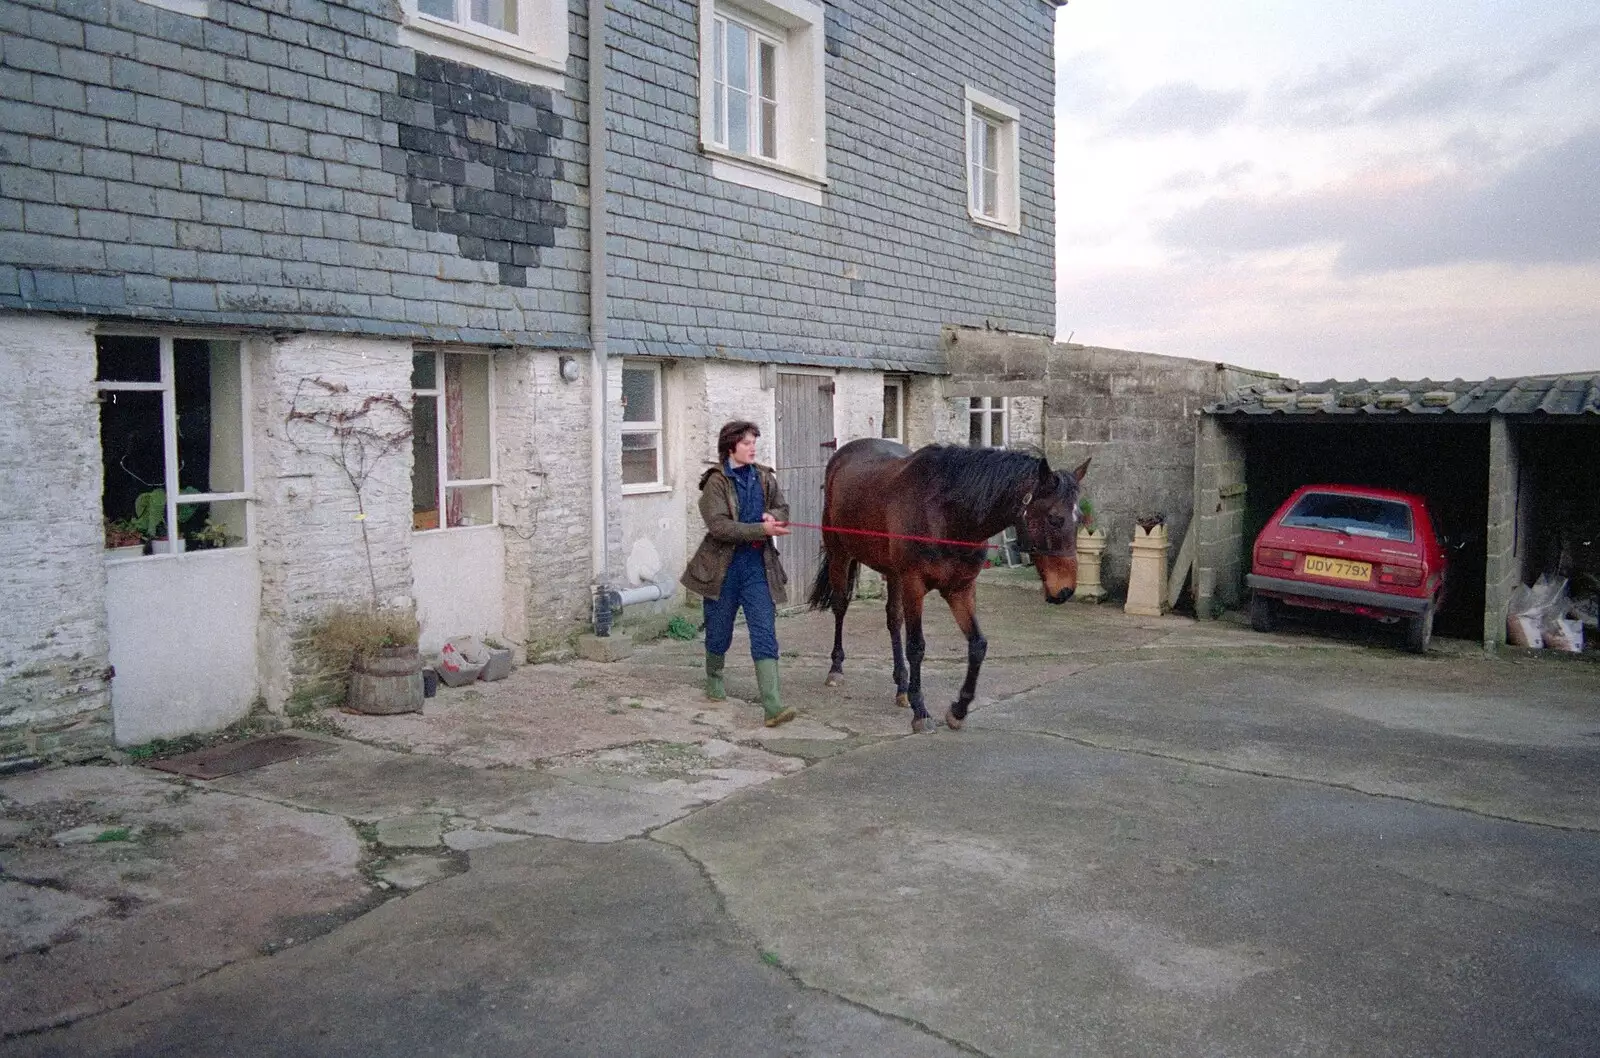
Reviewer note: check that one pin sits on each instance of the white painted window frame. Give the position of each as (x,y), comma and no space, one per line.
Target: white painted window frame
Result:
(167,387)
(1007,120)
(445,483)
(536,54)
(800,169)
(986,410)
(656,426)
(898,385)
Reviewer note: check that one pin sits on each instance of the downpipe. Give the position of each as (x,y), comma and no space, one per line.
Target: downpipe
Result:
(609,601)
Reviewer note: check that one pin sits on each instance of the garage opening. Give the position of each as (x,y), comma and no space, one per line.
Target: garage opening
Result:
(1441,460)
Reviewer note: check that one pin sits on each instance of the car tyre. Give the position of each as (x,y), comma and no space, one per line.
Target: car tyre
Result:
(1263,613)
(1419,631)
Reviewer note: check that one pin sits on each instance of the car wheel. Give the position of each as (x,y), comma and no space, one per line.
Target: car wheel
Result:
(1419,631)
(1263,613)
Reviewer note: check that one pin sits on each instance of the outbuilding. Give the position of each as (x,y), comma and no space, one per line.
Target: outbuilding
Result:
(1510,469)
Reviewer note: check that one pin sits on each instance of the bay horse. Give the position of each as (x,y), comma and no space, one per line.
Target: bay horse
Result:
(923,520)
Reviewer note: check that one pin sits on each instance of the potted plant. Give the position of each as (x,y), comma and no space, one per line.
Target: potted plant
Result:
(207,538)
(150,518)
(378,649)
(123,538)
(1091,545)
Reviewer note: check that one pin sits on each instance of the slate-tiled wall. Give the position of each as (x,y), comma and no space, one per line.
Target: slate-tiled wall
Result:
(282,164)
(248,168)
(870,275)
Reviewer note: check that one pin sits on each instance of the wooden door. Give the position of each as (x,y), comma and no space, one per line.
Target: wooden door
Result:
(805,443)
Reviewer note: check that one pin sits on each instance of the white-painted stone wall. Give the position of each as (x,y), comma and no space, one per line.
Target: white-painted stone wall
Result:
(54,695)
(308,533)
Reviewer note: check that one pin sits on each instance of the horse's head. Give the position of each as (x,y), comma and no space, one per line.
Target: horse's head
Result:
(1047,527)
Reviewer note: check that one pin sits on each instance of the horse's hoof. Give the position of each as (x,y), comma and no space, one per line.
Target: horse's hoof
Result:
(921,724)
(952,721)
(833,679)
(903,700)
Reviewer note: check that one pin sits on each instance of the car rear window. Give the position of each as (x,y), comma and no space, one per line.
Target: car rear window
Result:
(1356,515)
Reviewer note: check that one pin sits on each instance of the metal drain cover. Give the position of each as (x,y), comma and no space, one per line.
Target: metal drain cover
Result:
(231,758)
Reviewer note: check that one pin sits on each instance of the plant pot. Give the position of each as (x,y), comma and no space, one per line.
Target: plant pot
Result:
(1091,546)
(167,547)
(498,667)
(1147,576)
(125,551)
(390,682)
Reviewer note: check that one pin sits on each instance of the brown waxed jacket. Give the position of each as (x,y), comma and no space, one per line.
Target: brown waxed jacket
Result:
(719,506)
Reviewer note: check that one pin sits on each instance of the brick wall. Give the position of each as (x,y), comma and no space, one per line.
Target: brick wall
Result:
(54,695)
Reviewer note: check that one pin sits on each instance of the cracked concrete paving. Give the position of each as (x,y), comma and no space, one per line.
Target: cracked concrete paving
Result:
(1155,837)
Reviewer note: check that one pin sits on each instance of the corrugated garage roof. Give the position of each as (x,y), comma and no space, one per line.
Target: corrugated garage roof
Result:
(1534,395)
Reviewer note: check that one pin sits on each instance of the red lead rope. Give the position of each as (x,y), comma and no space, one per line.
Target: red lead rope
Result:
(970,545)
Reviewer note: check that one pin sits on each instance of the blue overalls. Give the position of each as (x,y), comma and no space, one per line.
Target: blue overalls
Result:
(746,582)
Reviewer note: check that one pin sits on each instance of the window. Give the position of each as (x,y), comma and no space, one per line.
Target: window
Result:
(986,422)
(452,440)
(744,84)
(894,409)
(761,94)
(522,39)
(992,161)
(173,423)
(642,464)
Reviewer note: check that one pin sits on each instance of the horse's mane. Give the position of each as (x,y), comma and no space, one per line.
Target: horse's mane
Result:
(977,479)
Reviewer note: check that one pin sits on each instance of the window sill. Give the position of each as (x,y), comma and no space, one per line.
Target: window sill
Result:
(458,45)
(998,225)
(645,490)
(455,529)
(764,175)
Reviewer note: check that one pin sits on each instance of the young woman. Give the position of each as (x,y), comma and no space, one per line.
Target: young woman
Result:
(737,564)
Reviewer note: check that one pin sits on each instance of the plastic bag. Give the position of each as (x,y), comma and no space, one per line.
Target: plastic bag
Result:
(1533,608)
(1564,633)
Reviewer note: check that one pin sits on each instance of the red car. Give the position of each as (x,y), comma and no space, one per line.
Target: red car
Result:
(1366,551)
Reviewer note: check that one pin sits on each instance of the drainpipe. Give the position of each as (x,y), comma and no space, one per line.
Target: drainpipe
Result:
(599,427)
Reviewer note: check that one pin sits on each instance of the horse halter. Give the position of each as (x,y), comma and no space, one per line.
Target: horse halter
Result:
(1025,538)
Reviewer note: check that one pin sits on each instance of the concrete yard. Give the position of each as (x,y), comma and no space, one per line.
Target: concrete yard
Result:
(1154,837)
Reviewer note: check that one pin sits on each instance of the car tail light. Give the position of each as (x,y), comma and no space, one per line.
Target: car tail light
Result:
(1404,576)
(1276,557)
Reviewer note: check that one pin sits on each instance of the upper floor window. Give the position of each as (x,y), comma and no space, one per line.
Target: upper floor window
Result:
(992,161)
(643,463)
(175,465)
(761,94)
(525,40)
(894,409)
(452,440)
(986,422)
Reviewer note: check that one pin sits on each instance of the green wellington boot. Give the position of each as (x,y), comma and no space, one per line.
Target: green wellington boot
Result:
(714,689)
(767,680)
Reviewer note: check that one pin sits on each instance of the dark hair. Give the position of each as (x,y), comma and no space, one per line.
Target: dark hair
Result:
(731,434)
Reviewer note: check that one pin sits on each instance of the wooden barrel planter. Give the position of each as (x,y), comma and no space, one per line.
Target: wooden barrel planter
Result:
(389,682)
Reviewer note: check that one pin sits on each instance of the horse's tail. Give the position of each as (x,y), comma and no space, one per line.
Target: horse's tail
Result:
(821,597)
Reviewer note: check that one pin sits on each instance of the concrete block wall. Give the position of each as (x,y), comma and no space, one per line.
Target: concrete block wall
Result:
(1503,556)
(55,690)
(283,166)
(1218,489)
(703,267)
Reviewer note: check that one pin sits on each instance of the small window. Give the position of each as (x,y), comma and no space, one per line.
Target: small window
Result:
(452,440)
(522,39)
(992,161)
(761,94)
(986,422)
(173,423)
(894,409)
(643,465)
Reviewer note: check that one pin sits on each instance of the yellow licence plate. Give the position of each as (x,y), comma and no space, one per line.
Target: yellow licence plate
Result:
(1337,568)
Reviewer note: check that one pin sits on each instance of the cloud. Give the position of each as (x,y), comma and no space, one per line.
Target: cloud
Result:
(1447,90)
(1178,106)
(1540,211)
